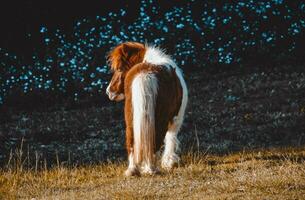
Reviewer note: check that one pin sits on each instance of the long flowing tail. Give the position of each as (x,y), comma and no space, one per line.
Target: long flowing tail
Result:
(144,93)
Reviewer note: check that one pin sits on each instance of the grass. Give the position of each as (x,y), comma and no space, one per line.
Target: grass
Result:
(267,174)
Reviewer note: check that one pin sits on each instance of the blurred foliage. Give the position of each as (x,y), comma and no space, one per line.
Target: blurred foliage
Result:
(197,34)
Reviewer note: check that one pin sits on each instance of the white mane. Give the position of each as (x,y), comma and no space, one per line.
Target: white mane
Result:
(157,56)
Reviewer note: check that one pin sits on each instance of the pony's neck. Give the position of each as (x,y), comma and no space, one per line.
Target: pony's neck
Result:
(156,56)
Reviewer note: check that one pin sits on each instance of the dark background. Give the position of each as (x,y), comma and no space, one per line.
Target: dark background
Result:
(242,96)
(18,18)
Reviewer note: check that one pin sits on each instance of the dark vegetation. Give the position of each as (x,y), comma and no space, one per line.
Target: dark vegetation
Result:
(244,65)
(228,111)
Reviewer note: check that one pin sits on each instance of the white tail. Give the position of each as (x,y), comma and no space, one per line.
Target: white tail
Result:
(144,93)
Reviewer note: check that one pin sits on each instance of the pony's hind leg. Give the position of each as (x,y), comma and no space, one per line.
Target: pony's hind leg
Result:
(132,169)
(170,157)
(149,168)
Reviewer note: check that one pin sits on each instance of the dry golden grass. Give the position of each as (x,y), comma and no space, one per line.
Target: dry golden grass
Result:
(272,174)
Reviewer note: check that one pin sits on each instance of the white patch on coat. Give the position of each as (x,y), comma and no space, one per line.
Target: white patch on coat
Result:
(114,96)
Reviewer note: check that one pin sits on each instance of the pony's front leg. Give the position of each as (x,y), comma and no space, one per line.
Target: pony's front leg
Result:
(132,169)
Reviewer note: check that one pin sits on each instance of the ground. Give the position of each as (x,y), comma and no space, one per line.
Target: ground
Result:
(272,174)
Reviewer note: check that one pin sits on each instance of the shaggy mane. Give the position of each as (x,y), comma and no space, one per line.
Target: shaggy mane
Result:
(125,55)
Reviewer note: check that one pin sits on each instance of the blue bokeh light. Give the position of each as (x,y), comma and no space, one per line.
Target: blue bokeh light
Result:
(216,34)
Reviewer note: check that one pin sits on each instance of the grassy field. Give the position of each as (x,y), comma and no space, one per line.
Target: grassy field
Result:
(268,174)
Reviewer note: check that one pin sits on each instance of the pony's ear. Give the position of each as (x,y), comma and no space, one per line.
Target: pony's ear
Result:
(126,49)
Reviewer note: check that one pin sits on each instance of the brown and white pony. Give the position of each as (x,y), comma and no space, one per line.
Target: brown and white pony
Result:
(155,96)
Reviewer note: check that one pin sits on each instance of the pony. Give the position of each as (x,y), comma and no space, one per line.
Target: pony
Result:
(156,96)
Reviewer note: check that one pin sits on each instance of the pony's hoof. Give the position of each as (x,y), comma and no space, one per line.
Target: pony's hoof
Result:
(151,171)
(168,165)
(132,172)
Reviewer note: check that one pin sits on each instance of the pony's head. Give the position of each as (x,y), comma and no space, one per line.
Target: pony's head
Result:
(121,59)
